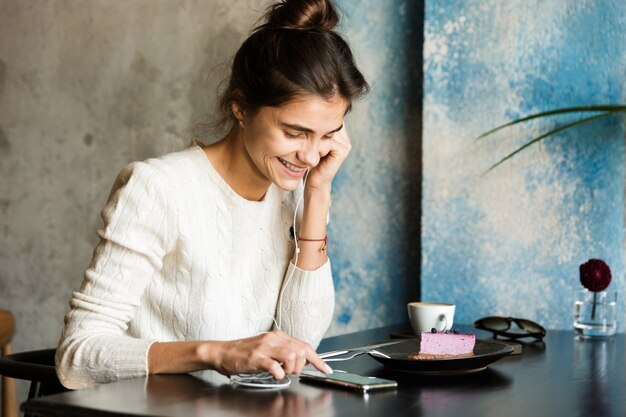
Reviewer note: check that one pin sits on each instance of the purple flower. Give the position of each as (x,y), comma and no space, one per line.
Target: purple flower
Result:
(595,275)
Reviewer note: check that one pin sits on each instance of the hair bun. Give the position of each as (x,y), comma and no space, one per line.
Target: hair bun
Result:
(301,15)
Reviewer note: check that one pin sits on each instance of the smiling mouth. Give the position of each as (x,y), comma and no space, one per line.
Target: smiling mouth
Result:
(290,166)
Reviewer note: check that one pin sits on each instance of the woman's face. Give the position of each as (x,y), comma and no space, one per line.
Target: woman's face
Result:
(284,141)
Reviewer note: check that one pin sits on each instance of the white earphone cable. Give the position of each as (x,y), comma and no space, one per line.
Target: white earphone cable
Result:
(265,380)
(295,239)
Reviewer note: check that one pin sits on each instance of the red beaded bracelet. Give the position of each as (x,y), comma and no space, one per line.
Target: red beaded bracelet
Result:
(325,240)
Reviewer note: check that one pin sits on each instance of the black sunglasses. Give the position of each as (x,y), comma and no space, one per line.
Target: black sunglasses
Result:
(501,326)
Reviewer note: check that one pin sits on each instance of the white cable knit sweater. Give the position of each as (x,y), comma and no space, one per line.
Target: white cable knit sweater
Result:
(183,257)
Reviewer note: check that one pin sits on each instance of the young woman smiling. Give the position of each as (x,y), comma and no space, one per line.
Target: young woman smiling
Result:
(199,266)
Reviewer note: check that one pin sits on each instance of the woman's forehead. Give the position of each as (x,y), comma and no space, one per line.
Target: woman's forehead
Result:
(311,110)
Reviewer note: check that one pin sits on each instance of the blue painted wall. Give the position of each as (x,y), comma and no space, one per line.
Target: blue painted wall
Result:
(374,223)
(510,242)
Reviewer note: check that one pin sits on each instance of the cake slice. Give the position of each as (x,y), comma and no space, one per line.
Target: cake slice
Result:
(441,345)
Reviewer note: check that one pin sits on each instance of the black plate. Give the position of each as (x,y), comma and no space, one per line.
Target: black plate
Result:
(485,352)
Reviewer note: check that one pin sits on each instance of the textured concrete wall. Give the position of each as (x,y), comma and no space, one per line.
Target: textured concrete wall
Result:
(87,86)
(510,242)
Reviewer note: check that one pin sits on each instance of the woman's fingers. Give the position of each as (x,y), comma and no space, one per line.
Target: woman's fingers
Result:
(319,363)
(301,363)
(325,171)
(274,352)
(342,136)
(341,146)
(274,368)
(293,353)
(310,356)
(342,140)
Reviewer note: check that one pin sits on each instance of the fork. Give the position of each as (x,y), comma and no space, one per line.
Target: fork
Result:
(330,358)
(354,352)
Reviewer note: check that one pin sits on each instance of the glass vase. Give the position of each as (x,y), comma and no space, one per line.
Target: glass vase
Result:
(595,313)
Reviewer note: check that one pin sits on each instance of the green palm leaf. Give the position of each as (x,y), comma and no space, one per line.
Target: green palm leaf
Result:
(555,112)
(607,110)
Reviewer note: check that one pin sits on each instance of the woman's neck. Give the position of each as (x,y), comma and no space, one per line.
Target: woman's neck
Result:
(232,161)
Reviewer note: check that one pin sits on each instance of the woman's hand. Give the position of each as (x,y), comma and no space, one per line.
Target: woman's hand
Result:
(321,176)
(274,352)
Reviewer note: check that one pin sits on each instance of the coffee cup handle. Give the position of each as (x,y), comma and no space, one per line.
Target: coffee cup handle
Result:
(445,324)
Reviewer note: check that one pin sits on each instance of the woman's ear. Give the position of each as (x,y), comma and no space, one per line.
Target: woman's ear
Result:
(236,105)
(237,111)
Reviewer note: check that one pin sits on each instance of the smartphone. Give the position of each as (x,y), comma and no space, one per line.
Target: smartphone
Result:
(348,380)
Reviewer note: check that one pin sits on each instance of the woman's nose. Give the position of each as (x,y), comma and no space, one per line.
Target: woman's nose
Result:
(310,153)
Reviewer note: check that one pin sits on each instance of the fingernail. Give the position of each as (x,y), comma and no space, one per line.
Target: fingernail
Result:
(328,369)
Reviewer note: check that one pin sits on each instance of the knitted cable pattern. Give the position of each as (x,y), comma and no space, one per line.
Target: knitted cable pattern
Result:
(183,257)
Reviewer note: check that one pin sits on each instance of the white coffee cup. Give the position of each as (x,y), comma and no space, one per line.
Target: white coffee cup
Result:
(426,316)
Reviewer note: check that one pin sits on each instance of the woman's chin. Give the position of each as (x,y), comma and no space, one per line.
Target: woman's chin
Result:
(286,180)
(287,185)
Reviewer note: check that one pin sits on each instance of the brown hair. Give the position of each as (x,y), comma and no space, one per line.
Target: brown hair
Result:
(295,51)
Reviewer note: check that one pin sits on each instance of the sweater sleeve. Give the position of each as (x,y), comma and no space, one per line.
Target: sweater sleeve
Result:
(307,305)
(93,347)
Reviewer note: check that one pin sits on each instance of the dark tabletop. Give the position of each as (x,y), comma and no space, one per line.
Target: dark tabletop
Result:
(562,376)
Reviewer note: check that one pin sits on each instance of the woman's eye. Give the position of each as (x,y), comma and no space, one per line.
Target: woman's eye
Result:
(329,136)
(292,135)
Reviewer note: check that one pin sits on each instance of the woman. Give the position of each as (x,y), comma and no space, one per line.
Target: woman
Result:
(199,264)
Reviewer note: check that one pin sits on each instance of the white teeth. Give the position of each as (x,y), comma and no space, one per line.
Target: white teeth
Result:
(291,167)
